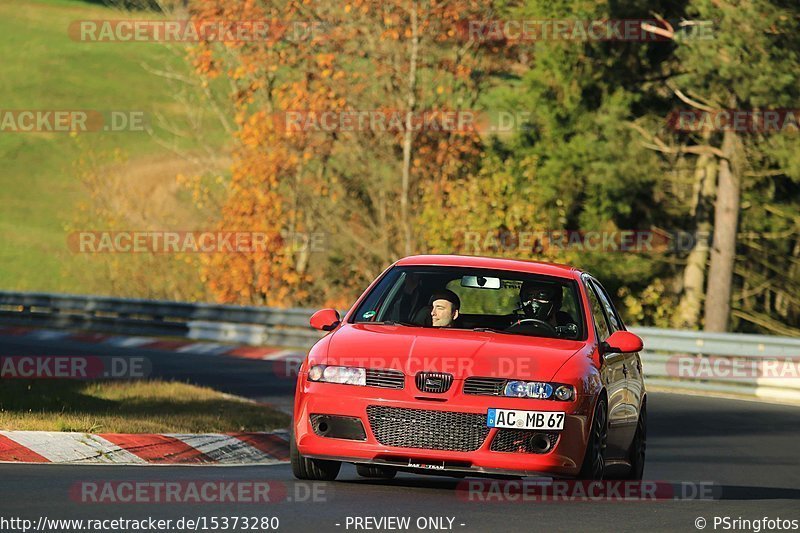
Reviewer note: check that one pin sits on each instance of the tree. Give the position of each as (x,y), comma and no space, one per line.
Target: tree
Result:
(749,64)
(380,58)
(574,165)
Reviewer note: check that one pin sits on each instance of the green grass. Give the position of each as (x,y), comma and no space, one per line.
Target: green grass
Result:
(129,407)
(44,69)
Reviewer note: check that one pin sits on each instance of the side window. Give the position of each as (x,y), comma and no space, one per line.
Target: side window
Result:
(570,304)
(610,313)
(391,300)
(597,312)
(376,300)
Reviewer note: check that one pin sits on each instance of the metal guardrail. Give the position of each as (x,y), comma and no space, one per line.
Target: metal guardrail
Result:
(730,363)
(758,366)
(229,323)
(730,344)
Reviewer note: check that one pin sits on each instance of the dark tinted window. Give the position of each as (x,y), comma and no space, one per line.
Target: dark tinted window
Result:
(598,314)
(611,314)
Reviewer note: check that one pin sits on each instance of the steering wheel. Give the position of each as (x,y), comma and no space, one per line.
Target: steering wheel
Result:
(534,323)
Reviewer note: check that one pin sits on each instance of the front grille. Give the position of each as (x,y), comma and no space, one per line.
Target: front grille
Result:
(387,379)
(433,430)
(484,386)
(519,441)
(436,382)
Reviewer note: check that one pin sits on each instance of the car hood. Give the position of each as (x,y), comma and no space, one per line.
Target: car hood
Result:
(462,353)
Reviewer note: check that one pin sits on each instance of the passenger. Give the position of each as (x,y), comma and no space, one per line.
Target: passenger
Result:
(445,305)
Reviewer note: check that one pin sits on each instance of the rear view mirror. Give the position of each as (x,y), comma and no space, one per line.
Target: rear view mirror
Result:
(325,319)
(622,342)
(480,282)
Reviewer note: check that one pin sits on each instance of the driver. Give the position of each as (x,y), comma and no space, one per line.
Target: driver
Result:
(541,300)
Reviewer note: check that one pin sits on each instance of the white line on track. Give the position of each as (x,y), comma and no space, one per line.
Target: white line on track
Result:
(285,354)
(210,348)
(48,334)
(128,342)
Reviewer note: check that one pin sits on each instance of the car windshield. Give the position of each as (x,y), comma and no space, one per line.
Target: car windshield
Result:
(503,301)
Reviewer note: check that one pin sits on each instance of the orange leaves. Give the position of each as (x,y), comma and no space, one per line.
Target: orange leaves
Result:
(289,177)
(237,73)
(202,60)
(324,60)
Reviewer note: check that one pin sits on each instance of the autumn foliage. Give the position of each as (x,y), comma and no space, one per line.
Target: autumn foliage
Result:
(596,152)
(366,190)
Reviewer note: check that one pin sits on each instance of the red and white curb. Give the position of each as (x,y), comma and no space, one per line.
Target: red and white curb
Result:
(151,343)
(144,449)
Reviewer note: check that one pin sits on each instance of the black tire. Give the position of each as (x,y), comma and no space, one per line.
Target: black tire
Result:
(376,472)
(636,453)
(594,460)
(312,469)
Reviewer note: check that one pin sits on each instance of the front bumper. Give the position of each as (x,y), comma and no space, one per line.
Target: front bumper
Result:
(562,460)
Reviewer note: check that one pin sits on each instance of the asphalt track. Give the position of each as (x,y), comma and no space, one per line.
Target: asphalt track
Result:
(746,454)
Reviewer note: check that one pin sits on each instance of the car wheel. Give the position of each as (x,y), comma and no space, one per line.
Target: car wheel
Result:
(376,472)
(638,446)
(594,461)
(313,469)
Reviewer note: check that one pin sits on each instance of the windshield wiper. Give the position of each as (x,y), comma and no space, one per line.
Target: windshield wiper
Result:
(391,323)
(493,330)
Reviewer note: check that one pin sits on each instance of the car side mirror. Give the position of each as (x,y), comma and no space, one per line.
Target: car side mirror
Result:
(621,342)
(325,319)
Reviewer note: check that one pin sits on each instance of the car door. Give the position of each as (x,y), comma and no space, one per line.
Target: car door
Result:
(613,375)
(631,365)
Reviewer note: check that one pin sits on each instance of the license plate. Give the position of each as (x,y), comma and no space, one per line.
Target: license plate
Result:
(513,419)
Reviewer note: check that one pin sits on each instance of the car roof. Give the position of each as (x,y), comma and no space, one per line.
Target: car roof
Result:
(497,263)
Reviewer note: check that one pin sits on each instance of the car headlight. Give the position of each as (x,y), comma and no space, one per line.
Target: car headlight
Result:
(564,393)
(517,389)
(539,390)
(315,372)
(344,375)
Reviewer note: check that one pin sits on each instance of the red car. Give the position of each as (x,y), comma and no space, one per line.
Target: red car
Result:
(473,366)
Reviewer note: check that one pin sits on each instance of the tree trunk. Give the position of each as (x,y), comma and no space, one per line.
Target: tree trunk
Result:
(690,307)
(783,301)
(411,103)
(723,250)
